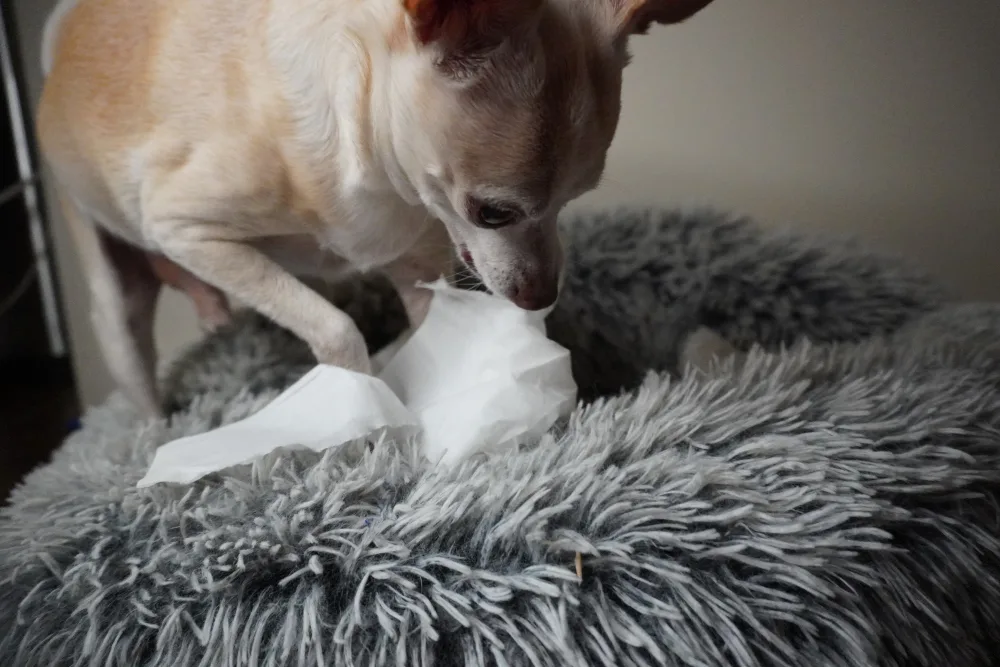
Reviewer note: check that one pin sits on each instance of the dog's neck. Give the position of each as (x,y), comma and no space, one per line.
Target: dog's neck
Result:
(342,90)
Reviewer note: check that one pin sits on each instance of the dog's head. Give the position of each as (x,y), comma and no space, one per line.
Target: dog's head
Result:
(510,107)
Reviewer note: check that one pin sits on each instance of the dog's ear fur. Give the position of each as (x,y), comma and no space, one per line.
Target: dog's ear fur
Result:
(467,25)
(635,16)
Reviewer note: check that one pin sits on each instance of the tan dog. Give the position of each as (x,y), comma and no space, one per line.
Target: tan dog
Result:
(251,141)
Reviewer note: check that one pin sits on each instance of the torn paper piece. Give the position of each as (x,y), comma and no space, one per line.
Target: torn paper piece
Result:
(479,374)
(329,406)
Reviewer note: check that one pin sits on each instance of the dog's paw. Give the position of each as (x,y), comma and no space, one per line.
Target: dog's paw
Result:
(349,351)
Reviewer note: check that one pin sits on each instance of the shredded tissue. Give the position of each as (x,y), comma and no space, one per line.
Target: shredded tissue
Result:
(478,375)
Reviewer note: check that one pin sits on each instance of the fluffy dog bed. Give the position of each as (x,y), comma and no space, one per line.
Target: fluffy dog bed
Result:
(832,503)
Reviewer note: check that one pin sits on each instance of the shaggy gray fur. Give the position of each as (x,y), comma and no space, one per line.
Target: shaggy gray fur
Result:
(830,504)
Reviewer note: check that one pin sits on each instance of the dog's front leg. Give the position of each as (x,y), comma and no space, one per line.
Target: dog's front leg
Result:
(430,258)
(242,271)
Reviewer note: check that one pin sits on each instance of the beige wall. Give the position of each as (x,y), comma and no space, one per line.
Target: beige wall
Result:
(873,118)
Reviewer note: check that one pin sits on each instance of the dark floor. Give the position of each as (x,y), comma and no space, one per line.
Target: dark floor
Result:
(38,409)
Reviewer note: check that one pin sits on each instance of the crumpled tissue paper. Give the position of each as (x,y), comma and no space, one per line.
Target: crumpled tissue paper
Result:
(478,375)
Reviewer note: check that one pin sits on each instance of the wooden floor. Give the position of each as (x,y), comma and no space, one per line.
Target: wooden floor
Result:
(38,409)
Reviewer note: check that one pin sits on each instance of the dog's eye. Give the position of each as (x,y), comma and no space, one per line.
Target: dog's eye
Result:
(496,215)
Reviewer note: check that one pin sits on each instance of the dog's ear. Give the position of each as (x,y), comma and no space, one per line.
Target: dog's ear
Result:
(635,16)
(456,25)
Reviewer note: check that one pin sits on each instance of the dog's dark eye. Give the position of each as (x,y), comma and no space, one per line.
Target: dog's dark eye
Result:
(496,215)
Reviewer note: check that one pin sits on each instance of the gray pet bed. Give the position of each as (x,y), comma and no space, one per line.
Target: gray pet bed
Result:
(831,504)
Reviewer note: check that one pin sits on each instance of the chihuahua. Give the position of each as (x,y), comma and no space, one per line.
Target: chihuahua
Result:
(250,144)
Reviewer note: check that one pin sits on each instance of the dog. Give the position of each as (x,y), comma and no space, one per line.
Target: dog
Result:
(251,143)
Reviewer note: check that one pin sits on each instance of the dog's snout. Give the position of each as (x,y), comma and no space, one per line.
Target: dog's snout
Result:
(535,294)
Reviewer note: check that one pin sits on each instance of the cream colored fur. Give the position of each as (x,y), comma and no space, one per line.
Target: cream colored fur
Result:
(255,141)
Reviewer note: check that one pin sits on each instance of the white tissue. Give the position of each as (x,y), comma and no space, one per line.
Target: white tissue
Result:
(478,375)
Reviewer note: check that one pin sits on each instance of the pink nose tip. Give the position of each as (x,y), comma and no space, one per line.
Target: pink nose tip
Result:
(535,295)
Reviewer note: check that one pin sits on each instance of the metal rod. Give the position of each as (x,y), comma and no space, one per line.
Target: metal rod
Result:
(12,192)
(30,192)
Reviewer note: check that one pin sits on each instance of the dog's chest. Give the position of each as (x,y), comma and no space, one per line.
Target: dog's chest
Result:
(374,228)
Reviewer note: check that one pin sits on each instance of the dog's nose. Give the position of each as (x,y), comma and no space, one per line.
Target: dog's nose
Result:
(535,294)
